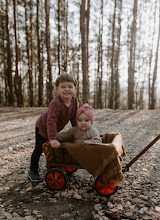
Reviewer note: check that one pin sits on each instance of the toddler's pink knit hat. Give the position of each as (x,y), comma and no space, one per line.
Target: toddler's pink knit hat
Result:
(87,110)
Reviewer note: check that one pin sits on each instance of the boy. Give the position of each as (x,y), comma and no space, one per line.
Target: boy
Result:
(83,132)
(61,110)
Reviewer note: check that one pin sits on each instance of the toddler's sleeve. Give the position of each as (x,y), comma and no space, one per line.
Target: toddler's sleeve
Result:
(66,136)
(95,137)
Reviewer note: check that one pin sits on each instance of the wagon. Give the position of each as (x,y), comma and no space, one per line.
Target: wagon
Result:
(62,163)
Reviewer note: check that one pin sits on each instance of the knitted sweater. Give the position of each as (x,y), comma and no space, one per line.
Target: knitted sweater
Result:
(56,117)
(77,135)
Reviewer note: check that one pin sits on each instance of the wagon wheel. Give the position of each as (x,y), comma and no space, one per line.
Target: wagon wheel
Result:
(56,179)
(71,170)
(105,188)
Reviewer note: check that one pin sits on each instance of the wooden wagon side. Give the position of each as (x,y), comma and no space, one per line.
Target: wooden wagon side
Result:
(59,157)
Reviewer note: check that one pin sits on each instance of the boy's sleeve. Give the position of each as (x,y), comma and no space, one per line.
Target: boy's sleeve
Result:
(54,112)
(73,119)
(66,136)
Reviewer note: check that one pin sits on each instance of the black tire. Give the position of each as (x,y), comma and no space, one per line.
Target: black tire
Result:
(56,179)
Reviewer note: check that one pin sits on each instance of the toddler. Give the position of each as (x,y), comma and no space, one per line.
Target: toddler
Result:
(84,131)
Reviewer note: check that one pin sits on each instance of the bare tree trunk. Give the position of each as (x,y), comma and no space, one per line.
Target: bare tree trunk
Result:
(4,60)
(65,60)
(9,83)
(18,88)
(108,67)
(112,93)
(78,89)
(31,48)
(98,80)
(87,42)
(101,59)
(87,37)
(149,81)
(50,86)
(40,78)
(117,86)
(31,100)
(153,89)
(150,59)
(131,69)
(84,53)
(59,36)
(95,94)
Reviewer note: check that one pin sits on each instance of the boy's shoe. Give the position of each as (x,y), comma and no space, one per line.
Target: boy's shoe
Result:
(33,175)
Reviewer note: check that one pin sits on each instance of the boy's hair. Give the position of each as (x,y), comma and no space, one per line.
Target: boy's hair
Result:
(65,78)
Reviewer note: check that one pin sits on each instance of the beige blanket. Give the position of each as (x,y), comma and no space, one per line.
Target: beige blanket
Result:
(98,158)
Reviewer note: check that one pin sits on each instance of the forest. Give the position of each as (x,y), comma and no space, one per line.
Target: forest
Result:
(111,47)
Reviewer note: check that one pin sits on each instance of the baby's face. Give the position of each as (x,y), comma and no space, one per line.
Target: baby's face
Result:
(83,122)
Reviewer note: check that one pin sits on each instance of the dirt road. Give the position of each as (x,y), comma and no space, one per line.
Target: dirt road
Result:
(137,197)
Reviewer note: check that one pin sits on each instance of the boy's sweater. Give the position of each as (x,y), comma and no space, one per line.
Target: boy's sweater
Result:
(56,117)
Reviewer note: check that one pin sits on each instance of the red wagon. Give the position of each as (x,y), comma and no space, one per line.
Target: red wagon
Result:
(61,163)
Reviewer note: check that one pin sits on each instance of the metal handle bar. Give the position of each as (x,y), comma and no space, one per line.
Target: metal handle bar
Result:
(141,153)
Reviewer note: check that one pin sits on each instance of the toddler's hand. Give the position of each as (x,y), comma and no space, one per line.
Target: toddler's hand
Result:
(87,142)
(54,143)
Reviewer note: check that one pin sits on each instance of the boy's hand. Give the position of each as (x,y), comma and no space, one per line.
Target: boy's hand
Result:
(54,143)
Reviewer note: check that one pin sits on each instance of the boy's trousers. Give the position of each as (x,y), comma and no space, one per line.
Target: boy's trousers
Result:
(39,140)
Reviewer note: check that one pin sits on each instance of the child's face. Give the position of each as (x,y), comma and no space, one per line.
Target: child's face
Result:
(83,122)
(66,90)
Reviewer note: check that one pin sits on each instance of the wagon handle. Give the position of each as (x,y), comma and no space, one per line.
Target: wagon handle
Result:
(126,168)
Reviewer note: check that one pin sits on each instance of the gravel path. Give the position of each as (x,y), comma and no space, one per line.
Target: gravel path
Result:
(138,196)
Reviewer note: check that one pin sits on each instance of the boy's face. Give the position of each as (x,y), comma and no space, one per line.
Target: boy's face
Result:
(66,90)
(83,122)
